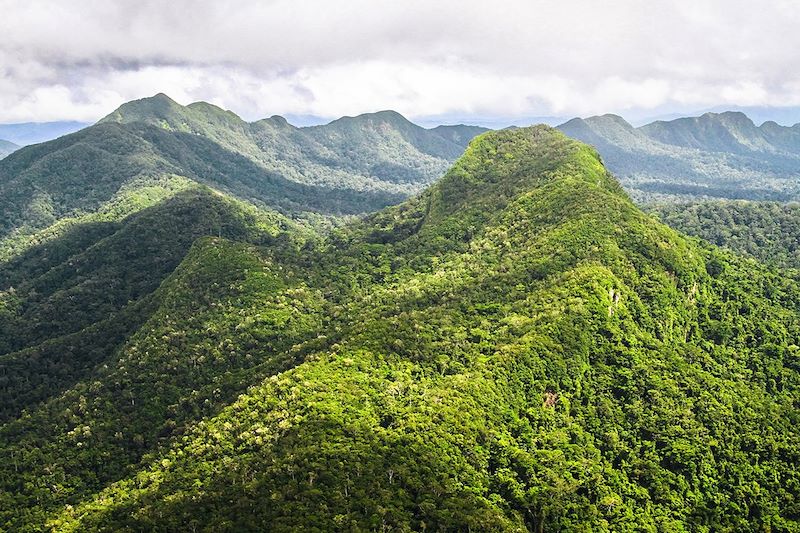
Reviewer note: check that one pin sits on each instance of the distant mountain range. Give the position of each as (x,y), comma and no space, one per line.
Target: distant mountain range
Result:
(6,148)
(385,157)
(786,116)
(716,155)
(26,133)
(150,149)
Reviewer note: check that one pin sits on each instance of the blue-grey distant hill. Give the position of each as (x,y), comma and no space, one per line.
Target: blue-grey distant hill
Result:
(7,148)
(26,133)
(717,155)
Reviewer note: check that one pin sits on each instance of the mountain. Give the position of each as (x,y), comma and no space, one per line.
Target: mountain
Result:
(26,133)
(6,148)
(71,300)
(93,222)
(149,149)
(767,231)
(373,152)
(516,348)
(784,115)
(716,155)
(725,132)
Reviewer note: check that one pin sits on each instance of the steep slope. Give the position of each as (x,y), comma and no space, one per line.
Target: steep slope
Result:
(67,303)
(519,347)
(6,148)
(713,156)
(237,314)
(376,151)
(349,167)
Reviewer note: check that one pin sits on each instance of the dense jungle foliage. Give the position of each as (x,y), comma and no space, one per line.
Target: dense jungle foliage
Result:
(148,148)
(517,348)
(768,231)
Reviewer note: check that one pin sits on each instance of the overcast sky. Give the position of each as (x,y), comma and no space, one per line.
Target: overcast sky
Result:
(433,58)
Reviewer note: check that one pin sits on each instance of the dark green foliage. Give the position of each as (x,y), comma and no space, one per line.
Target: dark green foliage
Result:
(146,149)
(226,317)
(517,348)
(770,232)
(70,301)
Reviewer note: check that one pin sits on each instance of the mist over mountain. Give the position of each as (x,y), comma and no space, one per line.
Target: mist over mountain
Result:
(6,148)
(26,133)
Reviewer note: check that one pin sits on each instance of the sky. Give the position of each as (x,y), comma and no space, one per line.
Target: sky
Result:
(465,60)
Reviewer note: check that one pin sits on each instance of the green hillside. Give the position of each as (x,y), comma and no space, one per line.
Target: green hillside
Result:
(767,231)
(380,152)
(67,304)
(714,156)
(517,348)
(149,149)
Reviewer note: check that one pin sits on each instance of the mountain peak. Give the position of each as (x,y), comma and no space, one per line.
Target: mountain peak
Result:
(609,119)
(730,119)
(386,117)
(500,165)
(278,120)
(728,131)
(386,114)
(606,121)
(157,107)
(161,97)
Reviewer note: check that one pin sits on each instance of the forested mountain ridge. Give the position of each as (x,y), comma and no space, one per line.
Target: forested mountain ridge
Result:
(67,303)
(518,347)
(717,155)
(382,151)
(147,149)
(725,132)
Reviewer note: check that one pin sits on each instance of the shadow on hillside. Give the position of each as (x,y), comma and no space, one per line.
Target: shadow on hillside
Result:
(78,297)
(223,169)
(80,172)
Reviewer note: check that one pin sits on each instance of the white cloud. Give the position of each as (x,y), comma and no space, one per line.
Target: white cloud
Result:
(80,59)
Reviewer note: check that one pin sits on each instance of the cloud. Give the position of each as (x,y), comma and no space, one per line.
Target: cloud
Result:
(81,59)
